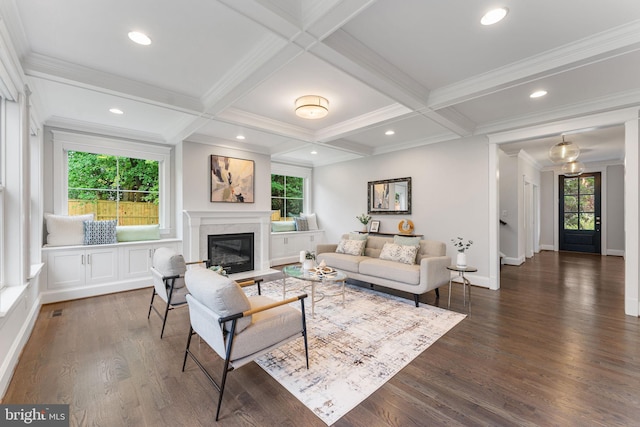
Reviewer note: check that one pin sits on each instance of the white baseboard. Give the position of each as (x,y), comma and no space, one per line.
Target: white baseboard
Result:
(547,247)
(13,355)
(51,296)
(615,252)
(512,261)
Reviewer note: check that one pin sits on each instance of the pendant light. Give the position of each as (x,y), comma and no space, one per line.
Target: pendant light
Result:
(564,152)
(574,168)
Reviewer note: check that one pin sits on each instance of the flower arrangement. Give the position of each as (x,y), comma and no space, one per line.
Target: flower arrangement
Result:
(310,255)
(218,269)
(364,219)
(459,244)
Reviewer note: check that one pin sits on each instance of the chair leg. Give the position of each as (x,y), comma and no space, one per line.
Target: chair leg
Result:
(226,365)
(415,298)
(304,333)
(153,295)
(437,292)
(164,320)
(186,350)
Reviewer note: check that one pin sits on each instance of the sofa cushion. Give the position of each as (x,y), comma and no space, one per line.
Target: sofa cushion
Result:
(65,229)
(134,233)
(100,232)
(350,247)
(391,270)
(219,294)
(312,220)
(399,253)
(406,240)
(301,224)
(341,261)
(280,226)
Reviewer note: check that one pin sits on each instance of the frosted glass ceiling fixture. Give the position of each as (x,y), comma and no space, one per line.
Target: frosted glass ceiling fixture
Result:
(139,38)
(574,168)
(494,16)
(564,152)
(312,107)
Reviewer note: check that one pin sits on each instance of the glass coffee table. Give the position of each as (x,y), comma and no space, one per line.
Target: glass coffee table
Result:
(329,275)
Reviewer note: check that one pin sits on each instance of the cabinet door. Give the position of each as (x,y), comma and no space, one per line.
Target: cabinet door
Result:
(279,246)
(136,262)
(101,265)
(66,269)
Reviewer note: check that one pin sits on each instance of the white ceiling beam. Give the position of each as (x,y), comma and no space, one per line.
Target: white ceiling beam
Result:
(601,46)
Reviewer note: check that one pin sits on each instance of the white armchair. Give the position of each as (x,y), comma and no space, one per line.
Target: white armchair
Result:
(238,328)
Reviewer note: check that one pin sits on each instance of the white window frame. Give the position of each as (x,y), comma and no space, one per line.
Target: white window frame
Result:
(63,142)
(299,172)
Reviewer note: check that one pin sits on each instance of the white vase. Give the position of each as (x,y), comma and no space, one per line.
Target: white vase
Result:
(461,259)
(307,264)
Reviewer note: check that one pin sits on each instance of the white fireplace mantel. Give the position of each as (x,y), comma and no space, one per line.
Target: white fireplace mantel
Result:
(199,224)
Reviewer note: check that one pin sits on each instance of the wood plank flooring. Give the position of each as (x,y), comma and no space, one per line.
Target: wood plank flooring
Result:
(551,347)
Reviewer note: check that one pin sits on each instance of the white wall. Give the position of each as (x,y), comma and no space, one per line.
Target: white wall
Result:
(196,178)
(450,195)
(547,218)
(528,184)
(508,207)
(615,210)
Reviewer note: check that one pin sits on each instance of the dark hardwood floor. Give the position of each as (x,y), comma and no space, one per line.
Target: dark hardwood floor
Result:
(551,347)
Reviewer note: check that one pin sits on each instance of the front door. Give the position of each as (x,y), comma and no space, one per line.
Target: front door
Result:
(580,213)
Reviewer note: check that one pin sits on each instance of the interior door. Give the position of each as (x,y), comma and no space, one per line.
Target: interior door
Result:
(579,221)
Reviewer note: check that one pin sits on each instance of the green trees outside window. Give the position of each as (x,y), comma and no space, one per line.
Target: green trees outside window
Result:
(579,203)
(113,187)
(287,195)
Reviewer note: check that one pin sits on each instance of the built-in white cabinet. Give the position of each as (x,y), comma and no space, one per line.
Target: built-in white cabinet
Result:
(81,271)
(286,246)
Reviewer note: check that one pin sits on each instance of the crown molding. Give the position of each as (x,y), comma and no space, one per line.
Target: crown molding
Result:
(597,47)
(614,103)
(82,126)
(263,124)
(416,143)
(225,143)
(55,70)
(522,154)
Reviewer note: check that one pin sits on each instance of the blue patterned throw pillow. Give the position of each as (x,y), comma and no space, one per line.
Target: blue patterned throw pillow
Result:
(100,232)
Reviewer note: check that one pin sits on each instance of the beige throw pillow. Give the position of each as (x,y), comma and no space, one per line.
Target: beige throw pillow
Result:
(350,247)
(399,253)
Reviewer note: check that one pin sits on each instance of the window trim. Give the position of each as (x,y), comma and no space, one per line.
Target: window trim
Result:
(67,141)
(299,172)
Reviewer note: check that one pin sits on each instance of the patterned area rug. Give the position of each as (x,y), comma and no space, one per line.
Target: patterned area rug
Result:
(353,350)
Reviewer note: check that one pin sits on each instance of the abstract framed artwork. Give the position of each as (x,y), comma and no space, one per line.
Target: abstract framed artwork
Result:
(232,180)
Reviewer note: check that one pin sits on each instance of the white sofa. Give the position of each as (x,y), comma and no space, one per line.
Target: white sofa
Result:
(429,272)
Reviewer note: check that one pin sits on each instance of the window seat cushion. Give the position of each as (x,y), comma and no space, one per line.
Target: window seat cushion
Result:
(134,233)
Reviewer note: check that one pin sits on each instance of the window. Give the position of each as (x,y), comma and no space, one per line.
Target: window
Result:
(287,195)
(113,187)
(579,203)
(113,178)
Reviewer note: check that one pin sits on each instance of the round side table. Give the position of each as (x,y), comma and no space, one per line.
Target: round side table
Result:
(465,282)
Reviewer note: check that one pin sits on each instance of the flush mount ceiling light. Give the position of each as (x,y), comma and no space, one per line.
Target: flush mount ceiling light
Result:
(139,38)
(312,107)
(574,168)
(564,152)
(494,16)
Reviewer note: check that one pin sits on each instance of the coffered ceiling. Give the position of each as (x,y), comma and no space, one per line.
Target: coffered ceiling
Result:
(426,69)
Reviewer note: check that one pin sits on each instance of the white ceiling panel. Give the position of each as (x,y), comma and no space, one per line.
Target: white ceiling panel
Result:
(425,68)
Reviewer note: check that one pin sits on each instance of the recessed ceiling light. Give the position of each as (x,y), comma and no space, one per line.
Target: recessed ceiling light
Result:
(538,94)
(139,38)
(494,16)
(389,132)
(240,137)
(116,111)
(314,152)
